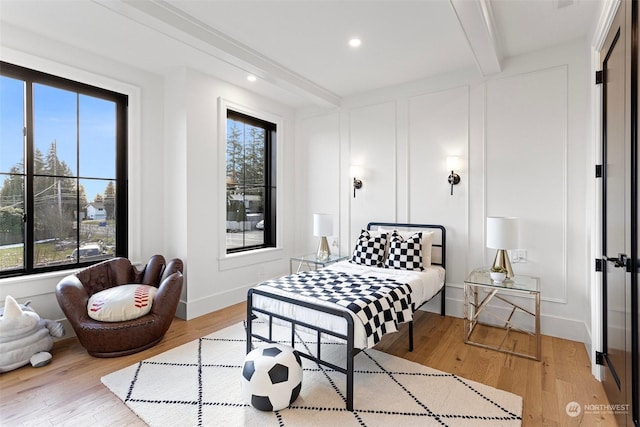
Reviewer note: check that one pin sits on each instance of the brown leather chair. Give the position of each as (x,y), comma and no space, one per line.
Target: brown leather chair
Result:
(112,339)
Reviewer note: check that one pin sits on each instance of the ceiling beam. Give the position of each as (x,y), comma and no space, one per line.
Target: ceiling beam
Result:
(166,19)
(476,21)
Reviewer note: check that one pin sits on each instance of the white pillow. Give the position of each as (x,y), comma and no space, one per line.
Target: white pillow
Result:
(124,302)
(427,241)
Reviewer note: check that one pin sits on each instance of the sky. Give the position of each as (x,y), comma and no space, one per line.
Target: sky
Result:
(78,124)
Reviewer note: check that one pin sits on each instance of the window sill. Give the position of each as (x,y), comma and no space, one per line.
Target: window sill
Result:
(39,276)
(244,259)
(33,284)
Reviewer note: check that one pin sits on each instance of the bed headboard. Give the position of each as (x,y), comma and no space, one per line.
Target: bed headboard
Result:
(439,245)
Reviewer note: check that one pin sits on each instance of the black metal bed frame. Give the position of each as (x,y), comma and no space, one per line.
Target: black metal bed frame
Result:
(351,352)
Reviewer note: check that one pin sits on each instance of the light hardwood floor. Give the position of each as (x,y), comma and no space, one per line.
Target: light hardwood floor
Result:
(69,392)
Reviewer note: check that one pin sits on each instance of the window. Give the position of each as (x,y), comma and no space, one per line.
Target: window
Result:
(251,183)
(63,172)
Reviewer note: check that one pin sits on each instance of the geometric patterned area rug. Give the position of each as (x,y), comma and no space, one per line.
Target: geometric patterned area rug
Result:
(199,384)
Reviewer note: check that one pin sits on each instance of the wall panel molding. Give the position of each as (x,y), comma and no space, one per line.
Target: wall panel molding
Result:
(372,136)
(526,147)
(439,126)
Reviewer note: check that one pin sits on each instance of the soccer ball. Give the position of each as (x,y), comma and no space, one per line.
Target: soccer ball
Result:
(271,377)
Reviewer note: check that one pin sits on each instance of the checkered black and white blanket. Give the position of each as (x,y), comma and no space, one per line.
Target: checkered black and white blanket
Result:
(381,304)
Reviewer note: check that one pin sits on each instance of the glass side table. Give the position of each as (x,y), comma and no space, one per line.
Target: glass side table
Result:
(311,262)
(479,291)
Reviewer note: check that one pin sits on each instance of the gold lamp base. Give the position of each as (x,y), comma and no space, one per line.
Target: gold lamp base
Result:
(502,260)
(323,249)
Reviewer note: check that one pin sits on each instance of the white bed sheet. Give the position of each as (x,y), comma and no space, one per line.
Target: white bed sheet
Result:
(424,285)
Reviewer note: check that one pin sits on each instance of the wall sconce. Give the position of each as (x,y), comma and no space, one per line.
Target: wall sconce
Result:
(453,163)
(357,184)
(356,171)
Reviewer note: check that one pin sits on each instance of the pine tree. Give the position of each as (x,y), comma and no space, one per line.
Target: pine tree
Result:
(254,160)
(235,153)
(55,196)
(82,194)
(12,191)
(110,200)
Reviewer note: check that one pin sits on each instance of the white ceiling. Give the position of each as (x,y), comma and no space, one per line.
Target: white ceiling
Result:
(298,48)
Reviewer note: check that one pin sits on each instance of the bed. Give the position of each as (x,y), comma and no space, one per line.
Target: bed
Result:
(359,300)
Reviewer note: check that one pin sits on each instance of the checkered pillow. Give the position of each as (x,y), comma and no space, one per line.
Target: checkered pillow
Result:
(405,254)
(427,241)
(369,249)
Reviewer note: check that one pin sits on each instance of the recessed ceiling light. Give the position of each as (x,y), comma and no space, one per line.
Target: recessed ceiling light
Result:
(355,42)
(252,78)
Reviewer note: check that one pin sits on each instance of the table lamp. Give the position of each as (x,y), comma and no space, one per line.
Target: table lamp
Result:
(323,227)
(502,234)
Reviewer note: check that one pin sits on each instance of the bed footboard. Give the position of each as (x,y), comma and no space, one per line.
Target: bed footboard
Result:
(351,352)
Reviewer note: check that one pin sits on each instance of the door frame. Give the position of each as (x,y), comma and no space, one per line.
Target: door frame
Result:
(595,289)
(604,24)
(635,257)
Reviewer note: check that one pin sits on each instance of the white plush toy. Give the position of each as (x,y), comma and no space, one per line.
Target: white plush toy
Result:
(24,336)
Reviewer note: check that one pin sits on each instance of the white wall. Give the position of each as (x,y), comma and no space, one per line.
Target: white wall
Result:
(215,279)
(522,136)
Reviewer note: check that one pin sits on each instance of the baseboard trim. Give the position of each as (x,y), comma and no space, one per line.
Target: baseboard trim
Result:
(559,327)
(192,309)
(550,325)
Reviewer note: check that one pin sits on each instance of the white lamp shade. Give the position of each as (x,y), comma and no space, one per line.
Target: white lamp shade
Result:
(322,225)
(502,233)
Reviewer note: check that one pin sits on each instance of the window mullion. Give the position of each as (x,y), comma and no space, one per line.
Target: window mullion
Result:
(122,191)
(29,170)
(269,178)
(78,172)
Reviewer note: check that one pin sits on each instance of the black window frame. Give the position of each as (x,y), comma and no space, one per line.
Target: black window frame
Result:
(31,77)
(269,177)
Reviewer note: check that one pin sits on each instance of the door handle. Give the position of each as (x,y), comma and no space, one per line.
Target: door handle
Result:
(622,261)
